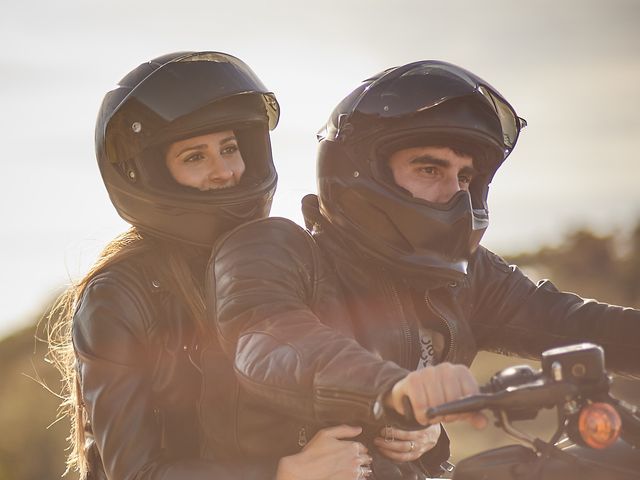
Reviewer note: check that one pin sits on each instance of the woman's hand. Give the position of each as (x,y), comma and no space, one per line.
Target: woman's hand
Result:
(433,386)
(328,457)
(406,446)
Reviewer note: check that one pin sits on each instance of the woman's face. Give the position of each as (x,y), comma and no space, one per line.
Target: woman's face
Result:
(206,162)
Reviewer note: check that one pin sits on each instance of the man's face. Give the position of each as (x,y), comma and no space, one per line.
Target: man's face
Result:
(434,174)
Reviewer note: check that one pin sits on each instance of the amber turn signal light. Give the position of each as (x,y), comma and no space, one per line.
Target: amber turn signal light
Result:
(599,425)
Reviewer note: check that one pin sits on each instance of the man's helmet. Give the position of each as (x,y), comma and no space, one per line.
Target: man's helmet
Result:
(174,97)
(427,103)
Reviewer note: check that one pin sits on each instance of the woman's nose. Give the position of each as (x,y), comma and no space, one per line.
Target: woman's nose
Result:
(220,172)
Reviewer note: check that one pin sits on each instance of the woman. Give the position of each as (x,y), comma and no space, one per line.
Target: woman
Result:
(183,148)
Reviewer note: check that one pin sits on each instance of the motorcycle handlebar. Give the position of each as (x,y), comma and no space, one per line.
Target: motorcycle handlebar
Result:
(538,394)
(571,373)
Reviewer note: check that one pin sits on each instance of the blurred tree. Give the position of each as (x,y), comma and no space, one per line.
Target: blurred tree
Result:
(630,269)
(606,268)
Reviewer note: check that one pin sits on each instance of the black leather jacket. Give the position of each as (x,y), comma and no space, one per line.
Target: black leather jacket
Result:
(320,334)
(135,347)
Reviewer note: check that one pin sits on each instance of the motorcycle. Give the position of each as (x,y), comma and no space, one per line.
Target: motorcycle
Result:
(597,435)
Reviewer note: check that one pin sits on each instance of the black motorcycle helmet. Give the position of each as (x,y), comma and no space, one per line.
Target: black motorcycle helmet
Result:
(426,103)
(173,97)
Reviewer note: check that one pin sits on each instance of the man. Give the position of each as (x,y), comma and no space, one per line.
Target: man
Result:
(391,296)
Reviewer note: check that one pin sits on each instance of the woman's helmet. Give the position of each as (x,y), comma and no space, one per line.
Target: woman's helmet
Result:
(174,97)
(426,103)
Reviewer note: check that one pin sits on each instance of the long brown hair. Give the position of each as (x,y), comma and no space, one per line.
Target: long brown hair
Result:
(179,280)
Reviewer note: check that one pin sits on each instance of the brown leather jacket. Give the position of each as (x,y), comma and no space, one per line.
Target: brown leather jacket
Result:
(135,349)
(318,334)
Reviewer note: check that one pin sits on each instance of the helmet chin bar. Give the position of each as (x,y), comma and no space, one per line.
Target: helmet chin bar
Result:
(170,221)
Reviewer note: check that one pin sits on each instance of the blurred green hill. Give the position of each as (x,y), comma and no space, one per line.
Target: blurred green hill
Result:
(31,448)
(604,267)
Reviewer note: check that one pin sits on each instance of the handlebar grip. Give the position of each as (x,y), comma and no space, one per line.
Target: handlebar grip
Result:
(473,403)
(464,405)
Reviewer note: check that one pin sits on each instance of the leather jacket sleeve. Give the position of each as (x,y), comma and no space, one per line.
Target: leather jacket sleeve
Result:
(110,336)
(513,315)
(283,353)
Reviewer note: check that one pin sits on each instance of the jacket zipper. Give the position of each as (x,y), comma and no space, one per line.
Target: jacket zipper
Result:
(331,395)
(452,345)
(404,325)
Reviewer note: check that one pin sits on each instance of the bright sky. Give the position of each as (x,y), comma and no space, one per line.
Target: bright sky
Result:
(571,68)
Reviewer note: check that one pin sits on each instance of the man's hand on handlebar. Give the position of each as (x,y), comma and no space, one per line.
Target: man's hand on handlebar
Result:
(433,386)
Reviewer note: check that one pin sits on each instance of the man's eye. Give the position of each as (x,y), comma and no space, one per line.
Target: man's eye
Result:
(429,170)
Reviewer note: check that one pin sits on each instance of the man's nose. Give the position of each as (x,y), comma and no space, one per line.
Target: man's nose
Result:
(450,187)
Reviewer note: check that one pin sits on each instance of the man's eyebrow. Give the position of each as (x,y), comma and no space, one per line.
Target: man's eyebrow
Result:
(441,162)
(430,160)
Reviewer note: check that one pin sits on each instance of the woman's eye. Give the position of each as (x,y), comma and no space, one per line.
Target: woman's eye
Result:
(193,158)
(230,149)
(466,179)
